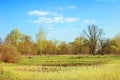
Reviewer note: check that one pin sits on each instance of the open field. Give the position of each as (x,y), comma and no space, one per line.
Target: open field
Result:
(63,68)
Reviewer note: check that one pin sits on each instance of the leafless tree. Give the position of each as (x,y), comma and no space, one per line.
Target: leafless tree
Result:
(93,35)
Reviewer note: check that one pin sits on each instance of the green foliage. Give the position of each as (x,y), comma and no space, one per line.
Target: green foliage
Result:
(41,41)
(115,44)
(78,45)
(13,38)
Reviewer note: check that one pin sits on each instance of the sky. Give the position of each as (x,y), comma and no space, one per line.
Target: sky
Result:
(63,20)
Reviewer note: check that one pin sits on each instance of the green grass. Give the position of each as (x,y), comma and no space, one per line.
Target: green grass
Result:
(109,69)
(64,60)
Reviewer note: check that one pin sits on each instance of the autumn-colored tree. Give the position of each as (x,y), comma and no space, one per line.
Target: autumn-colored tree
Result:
(65,48)
(50,48)
(26,45)
(9,50)
(9,54)
(77,45)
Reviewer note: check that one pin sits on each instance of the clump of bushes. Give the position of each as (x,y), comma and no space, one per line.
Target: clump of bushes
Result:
(9,54)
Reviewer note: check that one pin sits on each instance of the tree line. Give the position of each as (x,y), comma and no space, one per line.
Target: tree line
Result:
(91,42)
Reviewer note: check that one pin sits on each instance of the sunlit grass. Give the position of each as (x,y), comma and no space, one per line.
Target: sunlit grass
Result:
(107,71)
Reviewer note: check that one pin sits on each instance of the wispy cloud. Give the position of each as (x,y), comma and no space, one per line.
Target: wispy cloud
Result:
(51,17)
(66,7)
(43,13)
(58,19)
(89,21)
(71,19)
(43,20)
(54,17)
(38,12)
(71,6)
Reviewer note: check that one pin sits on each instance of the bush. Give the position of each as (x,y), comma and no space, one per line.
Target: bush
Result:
(9,54)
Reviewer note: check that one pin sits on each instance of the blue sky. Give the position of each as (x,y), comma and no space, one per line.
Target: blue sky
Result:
(61,19)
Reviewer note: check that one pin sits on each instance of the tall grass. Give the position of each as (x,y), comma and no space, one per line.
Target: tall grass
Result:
(107,71)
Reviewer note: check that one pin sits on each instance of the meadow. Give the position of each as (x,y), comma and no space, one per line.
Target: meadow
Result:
(63,67)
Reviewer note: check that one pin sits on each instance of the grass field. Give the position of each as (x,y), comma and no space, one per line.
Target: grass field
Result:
(63,68)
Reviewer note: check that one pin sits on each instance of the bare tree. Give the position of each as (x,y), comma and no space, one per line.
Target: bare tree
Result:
(93,35)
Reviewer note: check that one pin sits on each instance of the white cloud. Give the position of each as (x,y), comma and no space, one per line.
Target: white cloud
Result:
(66,7)
(58,19)
(43,13)
(71,6)
(37,12)
(89,21)
(71,19)
(51,17)
(43,20)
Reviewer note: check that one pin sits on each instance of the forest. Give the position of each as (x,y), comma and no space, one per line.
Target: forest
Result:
(92,42)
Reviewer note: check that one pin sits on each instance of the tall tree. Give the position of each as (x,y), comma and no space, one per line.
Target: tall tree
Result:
(41,41)
(13,38)
(115,44)
(25,45)
(92,35)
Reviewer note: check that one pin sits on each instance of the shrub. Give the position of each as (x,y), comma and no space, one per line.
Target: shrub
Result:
(9,54)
